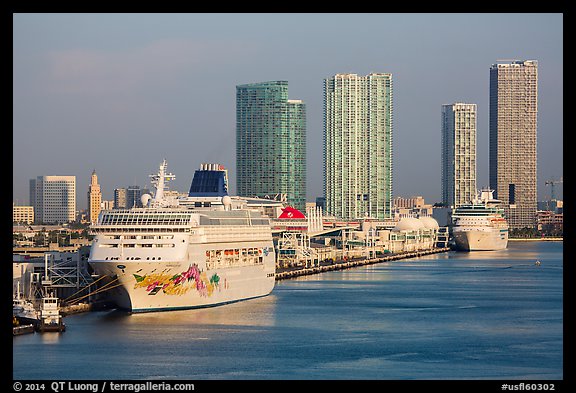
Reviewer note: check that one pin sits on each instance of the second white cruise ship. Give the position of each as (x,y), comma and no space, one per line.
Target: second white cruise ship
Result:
(179,253)
(480,225)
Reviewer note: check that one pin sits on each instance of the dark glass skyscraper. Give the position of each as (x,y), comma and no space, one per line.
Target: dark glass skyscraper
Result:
(270,142)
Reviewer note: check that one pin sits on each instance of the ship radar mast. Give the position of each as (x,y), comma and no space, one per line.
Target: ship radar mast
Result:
(159,181)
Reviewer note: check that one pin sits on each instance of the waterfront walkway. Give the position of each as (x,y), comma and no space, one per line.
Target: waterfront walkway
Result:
(284,273)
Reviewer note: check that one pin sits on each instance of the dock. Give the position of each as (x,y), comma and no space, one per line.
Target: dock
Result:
(281,274)
(22,329)
(346,264)
(75,308)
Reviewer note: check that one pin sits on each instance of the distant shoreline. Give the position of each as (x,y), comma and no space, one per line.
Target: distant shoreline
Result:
(538,239)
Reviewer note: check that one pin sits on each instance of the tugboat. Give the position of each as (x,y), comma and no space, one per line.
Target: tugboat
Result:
(50,318)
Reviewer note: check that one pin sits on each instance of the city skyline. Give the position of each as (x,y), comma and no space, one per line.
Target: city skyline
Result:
(119,100)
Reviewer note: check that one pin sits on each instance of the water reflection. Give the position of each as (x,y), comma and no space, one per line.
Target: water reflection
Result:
(50,337)
(254,312)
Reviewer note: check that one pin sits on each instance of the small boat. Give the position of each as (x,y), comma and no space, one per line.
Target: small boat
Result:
(537,263)
(23,310)
(18,329)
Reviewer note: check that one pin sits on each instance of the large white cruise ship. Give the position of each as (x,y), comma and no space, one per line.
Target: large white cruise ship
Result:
(179,253)
(480,225)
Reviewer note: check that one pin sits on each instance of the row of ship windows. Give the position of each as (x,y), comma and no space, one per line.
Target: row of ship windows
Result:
(133,258)
(234,252)
(234,257)
(137,229)
(132,219)
(140,237)
(143,221)
(137,245)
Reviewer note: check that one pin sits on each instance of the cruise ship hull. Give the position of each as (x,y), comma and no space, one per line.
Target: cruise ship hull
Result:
(145,286)
(480,239)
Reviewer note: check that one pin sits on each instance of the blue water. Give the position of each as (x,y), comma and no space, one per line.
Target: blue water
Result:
(454,315)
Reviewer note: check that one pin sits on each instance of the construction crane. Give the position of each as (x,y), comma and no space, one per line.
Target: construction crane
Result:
(551,183)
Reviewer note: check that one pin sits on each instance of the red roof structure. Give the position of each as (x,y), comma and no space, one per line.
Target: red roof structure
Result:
(290,212)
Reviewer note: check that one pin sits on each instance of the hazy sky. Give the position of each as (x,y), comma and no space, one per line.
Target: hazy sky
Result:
(120,92)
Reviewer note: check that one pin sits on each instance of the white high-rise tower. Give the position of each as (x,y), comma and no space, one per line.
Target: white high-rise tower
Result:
(358,145)
(458,154)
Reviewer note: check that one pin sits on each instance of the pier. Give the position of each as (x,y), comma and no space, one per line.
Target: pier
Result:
(22,329)
(285,273)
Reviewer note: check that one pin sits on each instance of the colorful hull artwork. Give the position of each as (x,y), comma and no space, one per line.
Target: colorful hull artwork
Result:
(179,284)
(143,287)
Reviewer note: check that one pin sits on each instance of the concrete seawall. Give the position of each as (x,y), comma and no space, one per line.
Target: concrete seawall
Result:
(339,265)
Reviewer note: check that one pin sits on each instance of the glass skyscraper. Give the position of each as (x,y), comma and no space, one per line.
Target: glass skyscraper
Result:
(513,128)
(458,153)
(358,145)
(270,143)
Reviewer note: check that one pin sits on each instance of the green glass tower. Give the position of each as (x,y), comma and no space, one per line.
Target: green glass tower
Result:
(358,145)
(270,143)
